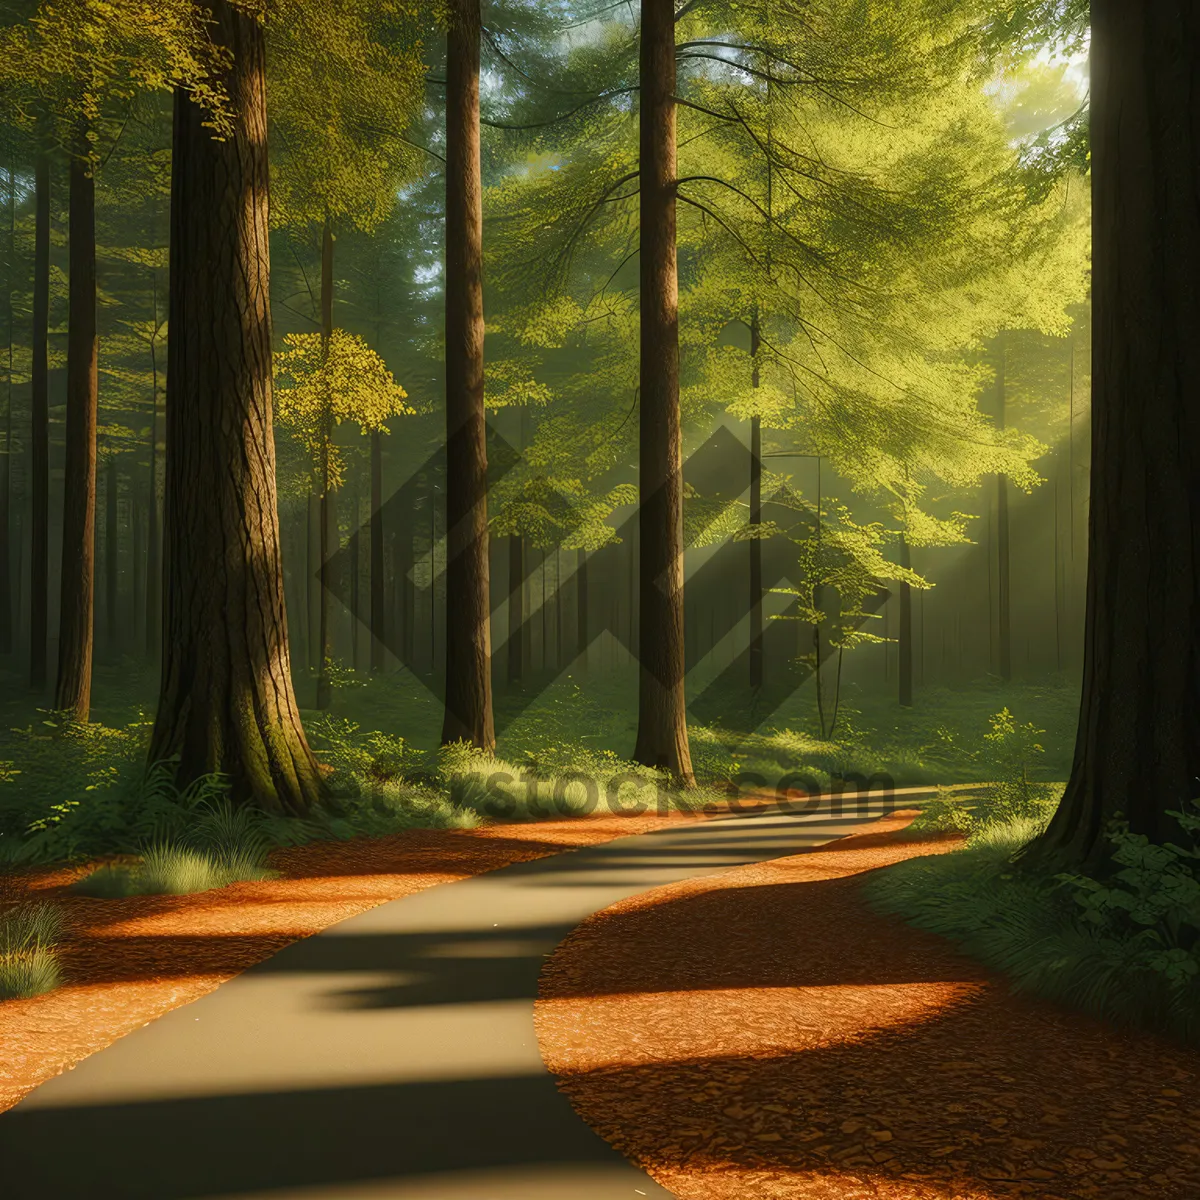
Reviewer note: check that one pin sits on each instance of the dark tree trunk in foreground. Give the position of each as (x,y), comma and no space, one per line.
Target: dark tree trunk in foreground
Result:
(39,433)
(379,631)
(905,639)
(516,605)
(226,701)
(73,692)
(6,565)
(662,739)
(327,515)
(756,588)
(1003,621)
(468,714)
(1138,747)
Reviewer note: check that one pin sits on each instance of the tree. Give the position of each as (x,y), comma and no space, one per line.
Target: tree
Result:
(73,69)
(73,690)
(226,702)
(346,83)
(39,482)
(468,715)
(662,739)
(1137,753)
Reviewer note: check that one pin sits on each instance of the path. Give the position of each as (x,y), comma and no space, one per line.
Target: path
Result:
(392,1055)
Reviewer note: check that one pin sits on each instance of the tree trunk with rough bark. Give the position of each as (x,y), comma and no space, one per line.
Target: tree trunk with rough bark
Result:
(6,571)
(468,715)
(39,473)
(73,691)
(662,739)
(226,702)
(1137,751)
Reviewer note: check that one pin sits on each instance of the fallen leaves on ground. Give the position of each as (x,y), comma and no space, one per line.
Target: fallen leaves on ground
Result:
(763,1033)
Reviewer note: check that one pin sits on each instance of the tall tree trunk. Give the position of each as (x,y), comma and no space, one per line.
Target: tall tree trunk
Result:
(112,561)
(516,604)
(75,634)
(39,434)
(379,630)
(1137,751)
(756,588)
(905,638)
(1004,626)
(407,592)
(226,701)
(662,739)
(355,577)
(581,609)
(468,604)
(312,582)
(328,506)
(153,535)
(6,581)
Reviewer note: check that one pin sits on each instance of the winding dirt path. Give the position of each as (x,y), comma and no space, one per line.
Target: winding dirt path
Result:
(762,1033)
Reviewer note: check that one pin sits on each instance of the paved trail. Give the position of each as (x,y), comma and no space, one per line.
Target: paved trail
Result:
(392,1055)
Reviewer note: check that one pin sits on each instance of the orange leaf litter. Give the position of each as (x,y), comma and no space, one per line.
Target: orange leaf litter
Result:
(762,1034)
(130,960)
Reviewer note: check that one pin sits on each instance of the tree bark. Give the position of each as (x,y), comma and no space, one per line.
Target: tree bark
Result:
(516,605)
(379,631)
(468,713)
(226,702)
(1137,752)
(581,609)
(1003,612)
(39,481)
(756,588)
(76,598)
(6,573)
(328,505)
(153,535)
(662,739)
(112,561)
(905,638)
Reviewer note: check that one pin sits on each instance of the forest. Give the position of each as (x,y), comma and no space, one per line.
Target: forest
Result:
(467,420)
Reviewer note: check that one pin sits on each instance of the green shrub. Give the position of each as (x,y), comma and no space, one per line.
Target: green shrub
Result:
(1125,946)
(28,962)
(223,844)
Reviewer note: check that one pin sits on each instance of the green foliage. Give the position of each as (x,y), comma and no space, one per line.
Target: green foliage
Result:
(319,388)
(1123,946)
(28,963)
(1152,900)
(220,844)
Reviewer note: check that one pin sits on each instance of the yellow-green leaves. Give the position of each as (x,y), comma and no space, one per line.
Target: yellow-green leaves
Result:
(317,391)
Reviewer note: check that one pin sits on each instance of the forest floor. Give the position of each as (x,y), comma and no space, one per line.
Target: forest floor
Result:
(128,961)
(763,1032)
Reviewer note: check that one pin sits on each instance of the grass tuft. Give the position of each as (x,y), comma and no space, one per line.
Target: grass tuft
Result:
(28,962)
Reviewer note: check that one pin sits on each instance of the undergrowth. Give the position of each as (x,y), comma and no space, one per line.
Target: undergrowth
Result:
(1125,946)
